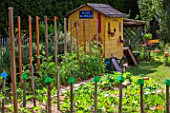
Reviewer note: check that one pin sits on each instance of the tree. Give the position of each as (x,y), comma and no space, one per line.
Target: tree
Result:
(148,12)
(164,14)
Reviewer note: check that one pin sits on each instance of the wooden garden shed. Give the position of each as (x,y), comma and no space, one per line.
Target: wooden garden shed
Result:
(99,20)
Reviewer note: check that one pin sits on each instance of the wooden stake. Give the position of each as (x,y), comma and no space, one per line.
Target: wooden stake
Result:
(58,88)
(30,39)
(97,37)
(31,66)
(120,98)
(3,91)
(89,36)
(65,35)
(71,40)
(95,98)
(84,36)
(77,38)
(19,48)
(71,98)
(141,98)
(12,57)
(46,36)
(38,43)
(167,99)
(55,41)
(24,93)
(49,97)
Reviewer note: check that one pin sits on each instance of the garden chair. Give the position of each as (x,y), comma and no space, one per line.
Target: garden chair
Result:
(155,47)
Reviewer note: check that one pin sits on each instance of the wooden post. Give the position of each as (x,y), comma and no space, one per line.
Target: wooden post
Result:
(30,53)
(167,99)
(120,80)
(46,36)
(77,38)
(30,39)
(65,35)
(3,91)
(24,93)
(141,83)
(12,57)
(58,88)
(38,43)
(71,98)
(49,97)
(19,48)
(55,40)
(120,98)
(71,82)
(141,98)
(84,35)
(96,79)
(89,36)
(71,40)
(95,98)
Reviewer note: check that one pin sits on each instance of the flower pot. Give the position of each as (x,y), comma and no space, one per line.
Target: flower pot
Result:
(122,41)
(147,42)
(112,34)
(166,54)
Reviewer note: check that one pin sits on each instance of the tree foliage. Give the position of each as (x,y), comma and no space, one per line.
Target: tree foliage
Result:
(51,8)
(156,12)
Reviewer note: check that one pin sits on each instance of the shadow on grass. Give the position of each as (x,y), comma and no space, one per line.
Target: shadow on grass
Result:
(144,68)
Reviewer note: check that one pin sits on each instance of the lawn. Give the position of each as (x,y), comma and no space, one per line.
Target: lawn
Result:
(155,69)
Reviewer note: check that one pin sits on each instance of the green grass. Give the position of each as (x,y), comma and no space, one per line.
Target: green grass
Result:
(157,70)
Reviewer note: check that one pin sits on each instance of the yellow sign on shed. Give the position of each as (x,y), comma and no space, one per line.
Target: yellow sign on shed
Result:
(99,20)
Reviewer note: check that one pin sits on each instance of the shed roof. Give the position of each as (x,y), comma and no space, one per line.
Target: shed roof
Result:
(102,8)
(130,22)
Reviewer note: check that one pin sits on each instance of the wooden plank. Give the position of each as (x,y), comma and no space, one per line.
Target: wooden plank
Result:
(131,55)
